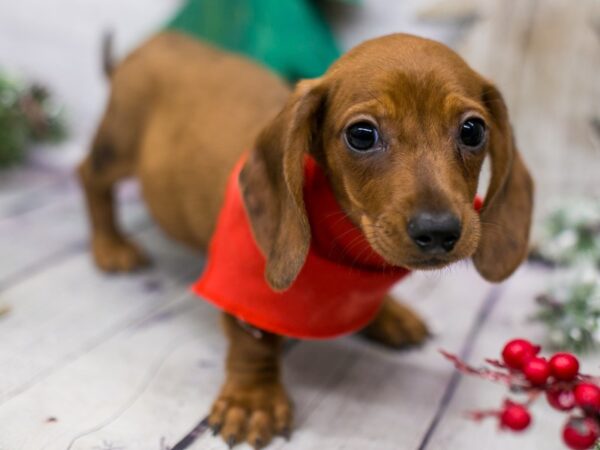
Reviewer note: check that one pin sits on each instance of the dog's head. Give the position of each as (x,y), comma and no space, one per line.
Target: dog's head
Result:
(401,125)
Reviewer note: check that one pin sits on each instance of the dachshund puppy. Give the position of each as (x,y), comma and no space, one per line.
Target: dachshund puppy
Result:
(389,143)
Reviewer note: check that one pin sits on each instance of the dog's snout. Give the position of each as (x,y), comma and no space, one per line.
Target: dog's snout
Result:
(434,232)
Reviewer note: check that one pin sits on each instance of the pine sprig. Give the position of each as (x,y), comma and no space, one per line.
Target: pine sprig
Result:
(571,233)
(570,306)
(28,115)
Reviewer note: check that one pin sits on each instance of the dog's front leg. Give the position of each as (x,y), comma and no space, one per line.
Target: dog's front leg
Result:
(253,404)
(396,326)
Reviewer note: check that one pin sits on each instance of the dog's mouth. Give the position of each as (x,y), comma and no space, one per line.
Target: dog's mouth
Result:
(407,258)
(429,263)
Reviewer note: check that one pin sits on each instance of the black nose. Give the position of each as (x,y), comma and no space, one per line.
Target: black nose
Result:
(434,232)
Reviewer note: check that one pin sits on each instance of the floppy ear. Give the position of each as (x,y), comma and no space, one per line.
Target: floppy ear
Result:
(271,183)
(507,210)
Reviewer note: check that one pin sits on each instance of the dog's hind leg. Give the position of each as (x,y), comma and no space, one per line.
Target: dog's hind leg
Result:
(103,167)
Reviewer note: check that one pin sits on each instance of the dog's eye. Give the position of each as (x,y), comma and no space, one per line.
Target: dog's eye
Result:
(472,133)
(362,136)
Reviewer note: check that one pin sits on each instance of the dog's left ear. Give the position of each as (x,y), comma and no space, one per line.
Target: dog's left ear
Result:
(508,206)
(271,183)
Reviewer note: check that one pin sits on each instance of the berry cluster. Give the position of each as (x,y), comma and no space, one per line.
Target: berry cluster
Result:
(565,389)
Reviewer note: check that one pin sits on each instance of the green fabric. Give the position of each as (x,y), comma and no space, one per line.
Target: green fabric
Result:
(289,36)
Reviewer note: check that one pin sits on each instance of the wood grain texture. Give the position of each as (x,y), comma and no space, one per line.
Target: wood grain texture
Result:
(52,227)
(134,390)
(25,188)
(97,362)
(56,316)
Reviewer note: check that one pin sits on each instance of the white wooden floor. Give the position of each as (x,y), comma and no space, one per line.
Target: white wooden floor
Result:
(96,362)
(91,361)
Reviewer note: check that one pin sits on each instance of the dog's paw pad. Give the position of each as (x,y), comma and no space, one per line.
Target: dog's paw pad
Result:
(252,414)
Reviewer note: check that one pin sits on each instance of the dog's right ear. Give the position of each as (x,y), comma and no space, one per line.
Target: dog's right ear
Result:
(271,184)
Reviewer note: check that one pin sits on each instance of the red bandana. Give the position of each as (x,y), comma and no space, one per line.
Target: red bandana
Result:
(338,290)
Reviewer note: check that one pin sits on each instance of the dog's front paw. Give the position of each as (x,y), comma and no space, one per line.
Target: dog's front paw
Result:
(115,254)
(252,413)
(396,326)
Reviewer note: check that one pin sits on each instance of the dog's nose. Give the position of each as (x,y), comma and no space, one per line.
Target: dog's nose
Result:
(434,232)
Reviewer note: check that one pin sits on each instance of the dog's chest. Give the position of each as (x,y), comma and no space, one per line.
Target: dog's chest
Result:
(338,290)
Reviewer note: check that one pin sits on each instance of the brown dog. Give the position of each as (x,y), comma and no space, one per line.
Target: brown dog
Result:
(400,125)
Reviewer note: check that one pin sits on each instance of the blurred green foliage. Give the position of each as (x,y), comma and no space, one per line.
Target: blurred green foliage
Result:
(570,306)
(27,115)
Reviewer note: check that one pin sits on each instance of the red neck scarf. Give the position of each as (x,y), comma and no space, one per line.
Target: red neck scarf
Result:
(338,290)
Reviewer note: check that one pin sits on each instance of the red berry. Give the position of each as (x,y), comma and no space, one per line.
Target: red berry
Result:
(587,396)
(561,399)
(517,352)
(537,371)
(564,366)
(515,416)
(581,433)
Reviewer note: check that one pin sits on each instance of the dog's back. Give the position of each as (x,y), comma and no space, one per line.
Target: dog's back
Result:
(180,114)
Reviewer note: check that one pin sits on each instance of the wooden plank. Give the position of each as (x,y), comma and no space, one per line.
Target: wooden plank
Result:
(54,228)
(69,308)
(509,319)
(86,309)
(134,391)
(137,386)
(26,188)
